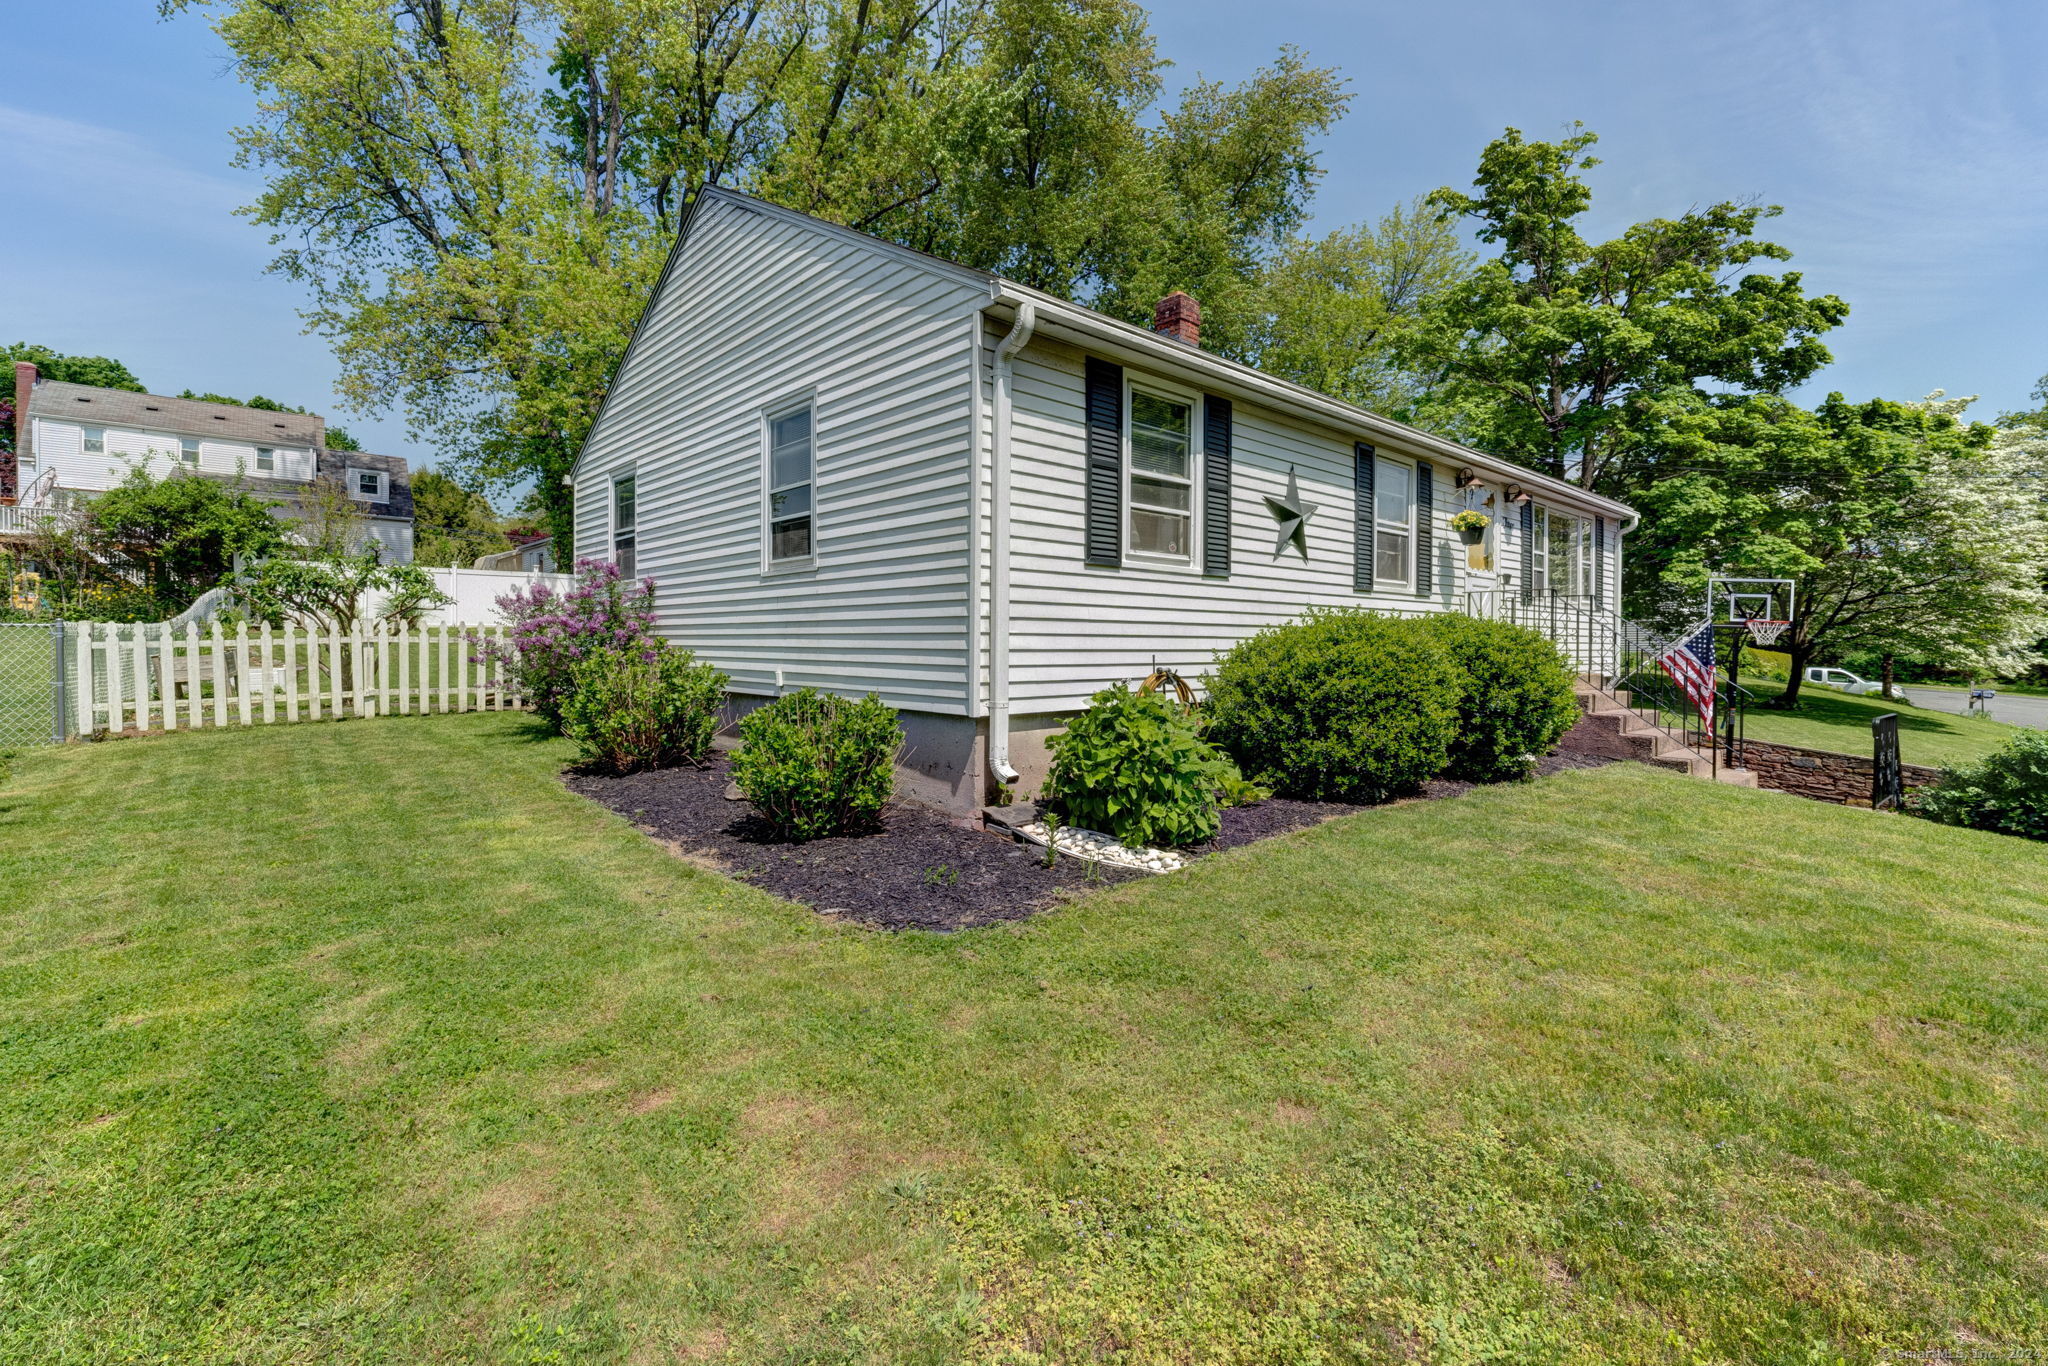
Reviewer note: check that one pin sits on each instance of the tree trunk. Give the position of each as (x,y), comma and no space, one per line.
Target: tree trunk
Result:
(1799,652)
(1891,694)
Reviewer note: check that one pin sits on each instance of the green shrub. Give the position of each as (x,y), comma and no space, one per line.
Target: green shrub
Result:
(646,706)
(2006,792)
(815,765)
(1772,665)
(1514,695)
(1136,768)
(1341,705)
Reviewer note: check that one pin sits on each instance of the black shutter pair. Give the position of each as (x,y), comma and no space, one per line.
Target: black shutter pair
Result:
(1104,533)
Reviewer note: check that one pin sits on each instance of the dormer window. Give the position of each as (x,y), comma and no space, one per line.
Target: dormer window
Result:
(367,486)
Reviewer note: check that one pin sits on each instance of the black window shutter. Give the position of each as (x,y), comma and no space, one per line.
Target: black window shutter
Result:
(1105,518)
(1528,552)
(1599,561)
(1361,531)
(1425,528)
(1215,486)
(1216,433)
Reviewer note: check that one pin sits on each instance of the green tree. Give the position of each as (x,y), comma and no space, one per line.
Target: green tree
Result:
(1326,308)
(103,372)
(1905,530)
(183,531)
(1565,355)
(337,592)
(452,525)
(479,197)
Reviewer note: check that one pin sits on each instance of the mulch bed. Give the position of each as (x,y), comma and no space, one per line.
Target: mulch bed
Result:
(920,870)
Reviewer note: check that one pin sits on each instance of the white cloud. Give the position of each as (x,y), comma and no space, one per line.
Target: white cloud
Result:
(83,168)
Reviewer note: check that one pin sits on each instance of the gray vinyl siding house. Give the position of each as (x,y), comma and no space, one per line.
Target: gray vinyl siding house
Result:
(848,465)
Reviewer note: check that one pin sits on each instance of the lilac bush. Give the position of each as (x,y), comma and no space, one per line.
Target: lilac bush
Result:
(554,632)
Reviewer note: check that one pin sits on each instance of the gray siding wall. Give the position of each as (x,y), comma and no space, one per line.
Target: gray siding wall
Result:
(760,308)
(1076,628)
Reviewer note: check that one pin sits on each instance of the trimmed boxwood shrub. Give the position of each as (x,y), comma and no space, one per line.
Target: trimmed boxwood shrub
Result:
(815,765)
(1514,695)
(1136,768)
(2006,792)
(1339,706)
(647,706)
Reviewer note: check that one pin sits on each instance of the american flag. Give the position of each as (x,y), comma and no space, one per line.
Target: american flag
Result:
(1691,665)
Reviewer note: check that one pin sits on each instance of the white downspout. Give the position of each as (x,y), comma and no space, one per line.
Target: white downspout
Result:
(999,549)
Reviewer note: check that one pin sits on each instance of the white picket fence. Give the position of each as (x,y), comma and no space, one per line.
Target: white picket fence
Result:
(153,675)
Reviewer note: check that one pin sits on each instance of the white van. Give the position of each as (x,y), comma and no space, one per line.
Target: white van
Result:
(1843,680)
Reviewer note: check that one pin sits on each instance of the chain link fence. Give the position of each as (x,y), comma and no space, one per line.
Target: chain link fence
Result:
(31,683)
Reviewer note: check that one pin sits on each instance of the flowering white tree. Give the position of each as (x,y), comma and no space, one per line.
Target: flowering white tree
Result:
(1959,577)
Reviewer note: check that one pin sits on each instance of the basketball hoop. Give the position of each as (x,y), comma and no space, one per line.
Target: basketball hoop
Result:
(1764,631)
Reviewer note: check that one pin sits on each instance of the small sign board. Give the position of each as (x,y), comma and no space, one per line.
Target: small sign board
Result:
(1887,783)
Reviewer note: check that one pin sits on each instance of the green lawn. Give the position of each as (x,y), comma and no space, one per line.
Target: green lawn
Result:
(366,1041)
(1827,719)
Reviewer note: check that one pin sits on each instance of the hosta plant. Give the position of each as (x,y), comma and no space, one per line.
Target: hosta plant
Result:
(1135,767)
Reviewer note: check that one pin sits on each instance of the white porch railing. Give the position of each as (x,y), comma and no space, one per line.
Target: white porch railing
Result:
(151,675)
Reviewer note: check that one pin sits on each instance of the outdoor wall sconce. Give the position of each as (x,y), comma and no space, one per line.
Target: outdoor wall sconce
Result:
(1465,478)
(1516,494)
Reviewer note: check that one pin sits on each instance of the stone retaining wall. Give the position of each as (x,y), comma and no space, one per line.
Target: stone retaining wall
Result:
(1821,775)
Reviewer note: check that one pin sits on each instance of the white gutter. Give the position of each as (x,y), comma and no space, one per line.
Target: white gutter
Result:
(1135,343)
(976,699)
(999,547)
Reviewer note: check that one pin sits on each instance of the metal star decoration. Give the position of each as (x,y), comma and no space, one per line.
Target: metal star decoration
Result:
(1292,514)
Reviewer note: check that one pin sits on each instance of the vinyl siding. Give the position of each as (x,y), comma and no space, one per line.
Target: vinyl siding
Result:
(62,444)
(1076,628)
(761,307)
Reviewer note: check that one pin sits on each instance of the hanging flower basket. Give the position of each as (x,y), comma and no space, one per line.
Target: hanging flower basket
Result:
(1471,526)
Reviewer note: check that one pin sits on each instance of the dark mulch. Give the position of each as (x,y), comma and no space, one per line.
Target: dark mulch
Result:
(921,870)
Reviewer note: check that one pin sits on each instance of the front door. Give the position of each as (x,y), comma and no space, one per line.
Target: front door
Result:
(1482,561)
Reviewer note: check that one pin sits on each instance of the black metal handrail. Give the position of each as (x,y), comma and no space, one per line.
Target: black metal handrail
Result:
(1620,656)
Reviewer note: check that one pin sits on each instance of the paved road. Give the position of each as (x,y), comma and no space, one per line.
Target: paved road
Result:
(2013,708)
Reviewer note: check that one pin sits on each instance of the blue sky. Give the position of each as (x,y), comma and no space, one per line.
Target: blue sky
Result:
(1907,143)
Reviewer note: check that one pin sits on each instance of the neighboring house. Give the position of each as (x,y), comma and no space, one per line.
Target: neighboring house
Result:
(850,465)
(535,554)
(74,438)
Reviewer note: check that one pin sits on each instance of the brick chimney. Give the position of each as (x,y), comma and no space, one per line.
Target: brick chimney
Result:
(10,461)
(1178,316)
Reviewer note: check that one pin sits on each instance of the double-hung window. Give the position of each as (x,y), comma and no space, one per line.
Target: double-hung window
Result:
(266,459)
(1393,517)
(188,453)
(792,510)
(1161,473)
(625,536)
(1564,559)
(95,440)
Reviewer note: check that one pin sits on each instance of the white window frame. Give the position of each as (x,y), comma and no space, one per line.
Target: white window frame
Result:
(261,452)
(355,475)
(630,474)
(188,452)
(1405,527)
(92,440)
(770,414)
(1578,549)
(1173,393)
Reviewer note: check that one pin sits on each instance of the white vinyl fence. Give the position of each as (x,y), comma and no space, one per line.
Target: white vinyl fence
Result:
(151,675)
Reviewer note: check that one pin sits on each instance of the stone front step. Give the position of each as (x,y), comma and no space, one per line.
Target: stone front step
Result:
(1635,732)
